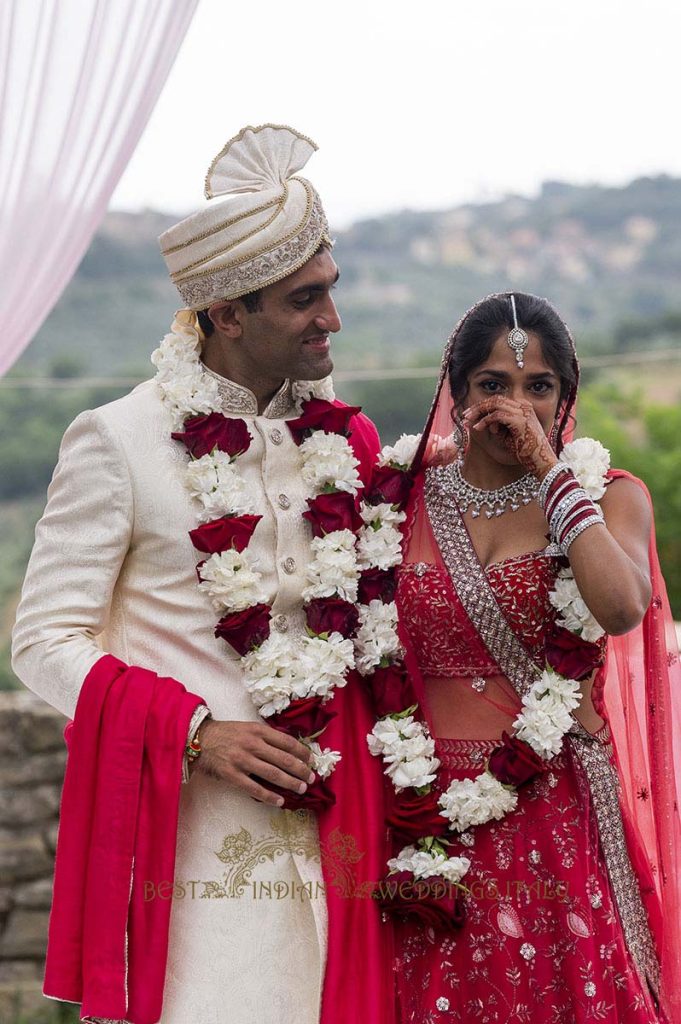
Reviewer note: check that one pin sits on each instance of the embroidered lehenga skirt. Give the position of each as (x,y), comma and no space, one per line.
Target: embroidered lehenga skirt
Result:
(542,941)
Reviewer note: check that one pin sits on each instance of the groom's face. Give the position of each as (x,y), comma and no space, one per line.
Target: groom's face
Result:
(290,334)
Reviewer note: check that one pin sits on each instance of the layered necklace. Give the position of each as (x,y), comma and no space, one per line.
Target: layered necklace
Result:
(495,502)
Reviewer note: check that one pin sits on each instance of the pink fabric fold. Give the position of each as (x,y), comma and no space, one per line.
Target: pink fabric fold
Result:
(642,702)
(358,983)
(107,944)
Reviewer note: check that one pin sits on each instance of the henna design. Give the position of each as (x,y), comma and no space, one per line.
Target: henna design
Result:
(522,432)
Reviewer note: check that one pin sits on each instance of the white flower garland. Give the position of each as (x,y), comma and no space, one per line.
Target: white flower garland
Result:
(405,743)
(282,668)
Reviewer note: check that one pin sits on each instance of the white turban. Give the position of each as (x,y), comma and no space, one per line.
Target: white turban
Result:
(270,226)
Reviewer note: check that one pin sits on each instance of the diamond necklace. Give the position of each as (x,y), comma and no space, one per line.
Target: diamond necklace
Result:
(513,495)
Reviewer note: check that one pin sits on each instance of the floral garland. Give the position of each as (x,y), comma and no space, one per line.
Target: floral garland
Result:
(422,873)
(291,680)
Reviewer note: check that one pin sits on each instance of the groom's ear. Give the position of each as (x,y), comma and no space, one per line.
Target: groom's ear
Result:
(227,317)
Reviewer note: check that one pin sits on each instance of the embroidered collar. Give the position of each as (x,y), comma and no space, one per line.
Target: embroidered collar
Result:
(235,398)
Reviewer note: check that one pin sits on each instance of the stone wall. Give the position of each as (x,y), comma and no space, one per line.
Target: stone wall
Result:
(31,776)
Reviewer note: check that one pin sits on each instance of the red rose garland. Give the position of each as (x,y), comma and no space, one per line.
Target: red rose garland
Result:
(291,680)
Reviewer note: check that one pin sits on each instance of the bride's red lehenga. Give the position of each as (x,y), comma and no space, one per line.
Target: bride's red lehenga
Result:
(573,909)
(541,941)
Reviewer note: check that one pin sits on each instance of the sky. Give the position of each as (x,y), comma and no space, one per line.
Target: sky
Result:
(420,105)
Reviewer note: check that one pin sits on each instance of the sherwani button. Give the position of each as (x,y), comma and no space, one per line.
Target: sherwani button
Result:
(284,501)
(276,436)
(280,623)
(289,565)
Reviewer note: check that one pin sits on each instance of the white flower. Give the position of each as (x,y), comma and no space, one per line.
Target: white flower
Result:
(303,390)
(576,617)
(429,863)
(381,514)
(402,453)
(202,475)
(230,581)
(376,635)
(389,732)
(546,717)
(417,772)
(189,394)
(469,802)
(568,691)
(404,859)
(231,495)
(323,761)
(540,731)
(590,462)
(454,868)
(419,744)
(380,548)
(333,569)
(328,461)
(173,357)
(325,664)
(273,674)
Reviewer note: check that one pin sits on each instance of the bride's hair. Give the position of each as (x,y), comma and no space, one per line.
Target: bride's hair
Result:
(489,318)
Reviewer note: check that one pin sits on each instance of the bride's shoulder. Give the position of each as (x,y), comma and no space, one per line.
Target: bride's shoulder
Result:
(626,494)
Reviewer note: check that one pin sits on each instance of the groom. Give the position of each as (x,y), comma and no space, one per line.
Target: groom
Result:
(166,679)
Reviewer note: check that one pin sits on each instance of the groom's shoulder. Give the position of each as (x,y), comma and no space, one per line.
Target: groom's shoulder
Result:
(122,422)
(141,405)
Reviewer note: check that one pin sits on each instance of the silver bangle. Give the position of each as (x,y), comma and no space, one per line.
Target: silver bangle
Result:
(555,471)
(593,520)
(565,507)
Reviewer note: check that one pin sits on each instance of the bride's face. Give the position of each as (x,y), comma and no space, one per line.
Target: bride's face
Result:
(537,383)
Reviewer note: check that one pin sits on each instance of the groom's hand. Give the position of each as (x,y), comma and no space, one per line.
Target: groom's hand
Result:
(236,751)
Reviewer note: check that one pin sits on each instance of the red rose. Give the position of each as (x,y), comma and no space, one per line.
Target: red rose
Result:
(225,533)
(391,486)
(306,716)
(329,512)
(514,762)
(411,816)
(377,585)
(247,629)
(571,656)
(391,690)
(332,615)
(432,901)
(319,414)
(203,433)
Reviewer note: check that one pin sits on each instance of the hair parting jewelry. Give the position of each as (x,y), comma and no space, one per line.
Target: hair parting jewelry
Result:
(517,339)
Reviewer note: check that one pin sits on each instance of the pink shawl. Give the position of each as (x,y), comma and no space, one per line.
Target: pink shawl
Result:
(107,945)
(358,984)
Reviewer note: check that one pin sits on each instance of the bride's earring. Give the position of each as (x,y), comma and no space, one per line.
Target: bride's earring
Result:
(553,436)
(461,438)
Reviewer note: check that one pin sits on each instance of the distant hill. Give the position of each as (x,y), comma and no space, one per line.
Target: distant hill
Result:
(607,257)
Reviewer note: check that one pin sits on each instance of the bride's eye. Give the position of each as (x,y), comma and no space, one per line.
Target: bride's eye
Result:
(491,386)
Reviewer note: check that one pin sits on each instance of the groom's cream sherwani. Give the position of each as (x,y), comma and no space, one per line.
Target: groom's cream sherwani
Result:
(113,570)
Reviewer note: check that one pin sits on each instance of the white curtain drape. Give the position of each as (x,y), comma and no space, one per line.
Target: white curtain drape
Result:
(78,81)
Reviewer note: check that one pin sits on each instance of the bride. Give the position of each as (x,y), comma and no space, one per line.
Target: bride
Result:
(534,824)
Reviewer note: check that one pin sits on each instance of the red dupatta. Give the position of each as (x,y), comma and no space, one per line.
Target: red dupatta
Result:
(107,944)
(358,982)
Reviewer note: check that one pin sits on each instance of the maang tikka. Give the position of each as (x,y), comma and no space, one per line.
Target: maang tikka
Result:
(517,339)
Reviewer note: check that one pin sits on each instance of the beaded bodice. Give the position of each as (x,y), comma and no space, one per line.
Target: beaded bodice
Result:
(445,641)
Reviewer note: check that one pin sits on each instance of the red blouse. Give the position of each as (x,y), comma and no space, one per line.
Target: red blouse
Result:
(445,641)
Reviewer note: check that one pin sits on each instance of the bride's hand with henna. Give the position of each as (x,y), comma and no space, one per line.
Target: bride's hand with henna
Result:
(520,430)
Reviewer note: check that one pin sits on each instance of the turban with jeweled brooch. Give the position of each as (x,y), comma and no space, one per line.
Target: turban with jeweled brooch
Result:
(271,224)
